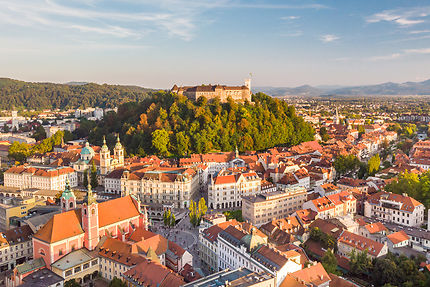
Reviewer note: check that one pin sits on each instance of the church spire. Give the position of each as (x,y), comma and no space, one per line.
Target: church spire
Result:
(90,198)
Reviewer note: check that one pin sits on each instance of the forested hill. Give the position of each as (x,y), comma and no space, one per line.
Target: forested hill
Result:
(38,96)
(170,125)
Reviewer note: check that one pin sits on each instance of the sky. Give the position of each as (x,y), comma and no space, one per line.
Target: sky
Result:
(158,43)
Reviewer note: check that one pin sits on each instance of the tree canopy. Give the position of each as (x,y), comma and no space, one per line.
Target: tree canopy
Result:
(170,125)
(416,186)
(40,96)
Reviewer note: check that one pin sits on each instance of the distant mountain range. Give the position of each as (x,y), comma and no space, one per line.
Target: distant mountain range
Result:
(395,89)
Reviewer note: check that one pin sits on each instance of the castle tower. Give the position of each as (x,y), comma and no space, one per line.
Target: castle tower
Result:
(68,198)
(90,220)
(248,83)
(118,152)
(104,158)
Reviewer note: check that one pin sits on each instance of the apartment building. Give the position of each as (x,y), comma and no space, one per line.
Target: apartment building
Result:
(347,242)
(208,243)
(395,208)
(338,204)
(228,187)
(262,208)
(163,185)
(50,178)
(241,249)
(15,247)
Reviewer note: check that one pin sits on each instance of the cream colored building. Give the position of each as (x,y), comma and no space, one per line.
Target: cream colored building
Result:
(395,208)
(51,178)
(237,93)
(80,265)
(228,187)
(262,208)
(173,186)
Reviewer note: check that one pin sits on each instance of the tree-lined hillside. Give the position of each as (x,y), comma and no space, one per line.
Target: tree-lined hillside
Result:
(170,125)
(37,96)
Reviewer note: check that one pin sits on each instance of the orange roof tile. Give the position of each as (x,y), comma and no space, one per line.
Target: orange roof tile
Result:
(61,226)
(398,237)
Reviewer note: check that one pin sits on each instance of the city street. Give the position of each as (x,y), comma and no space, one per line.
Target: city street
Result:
(182,234)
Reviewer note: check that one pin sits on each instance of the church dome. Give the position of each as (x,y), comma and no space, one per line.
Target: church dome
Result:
(87,150)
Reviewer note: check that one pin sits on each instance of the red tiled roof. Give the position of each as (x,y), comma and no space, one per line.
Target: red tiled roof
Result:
(397,237)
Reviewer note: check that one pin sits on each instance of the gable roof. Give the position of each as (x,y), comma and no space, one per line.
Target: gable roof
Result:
(68,224)
(61,226)
(397,237)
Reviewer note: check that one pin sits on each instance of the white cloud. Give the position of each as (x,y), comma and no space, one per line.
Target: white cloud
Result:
(417,51)
(290,18)
(386,57)
(419,32)
(292,34)
(329,38)
(406,52)
(401,17)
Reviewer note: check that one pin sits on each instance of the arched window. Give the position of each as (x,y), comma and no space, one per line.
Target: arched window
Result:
(71,204)
(64,205)
(93,211)
(85,211)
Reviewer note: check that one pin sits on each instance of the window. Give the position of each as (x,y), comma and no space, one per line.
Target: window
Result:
(68,272)
(42,252)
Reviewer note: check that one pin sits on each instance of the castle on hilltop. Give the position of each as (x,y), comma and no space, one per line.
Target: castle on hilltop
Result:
(237,93)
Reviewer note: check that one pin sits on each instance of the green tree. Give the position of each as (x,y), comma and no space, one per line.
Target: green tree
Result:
(374,164)
(385,271)
(39,133)
(329,262)
(346,164)
(360,263)
(324,135)
(182,143)
(19,151)
(160,141)
(94,180)
(172,220)
(85,178)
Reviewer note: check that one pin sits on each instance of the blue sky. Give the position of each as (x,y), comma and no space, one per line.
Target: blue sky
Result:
(156,43)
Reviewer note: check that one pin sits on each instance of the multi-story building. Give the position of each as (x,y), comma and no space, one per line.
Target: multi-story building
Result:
(13,207)
(375,231)
(238,249)
(239,93)
(162,185)
(15,247)
(208,244)
(238,277)
(76,228)
(229,186)
(338,204)
(262,208)
(347,242)
(395,208)
(327,189)
(51,178)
